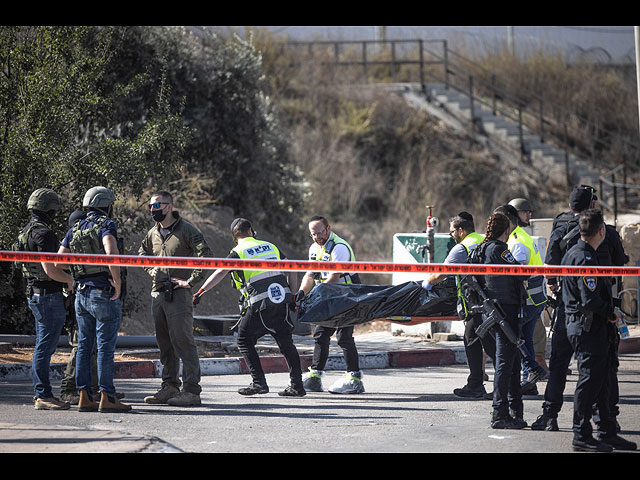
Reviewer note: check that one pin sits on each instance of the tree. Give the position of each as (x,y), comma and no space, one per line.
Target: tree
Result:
(62,126)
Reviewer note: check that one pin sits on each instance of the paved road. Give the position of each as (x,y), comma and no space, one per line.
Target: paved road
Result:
(404,410)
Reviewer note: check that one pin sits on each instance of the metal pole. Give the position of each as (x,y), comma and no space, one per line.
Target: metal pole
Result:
(636,31)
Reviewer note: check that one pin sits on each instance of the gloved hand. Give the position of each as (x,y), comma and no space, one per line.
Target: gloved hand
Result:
(196,297)
(298,296)
(426,285)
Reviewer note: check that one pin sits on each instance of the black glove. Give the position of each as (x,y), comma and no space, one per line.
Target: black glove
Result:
(298,296)
(196,297)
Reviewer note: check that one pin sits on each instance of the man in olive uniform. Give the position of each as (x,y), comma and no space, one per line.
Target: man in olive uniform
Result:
(171,301)
(265,304)
(45,282)
(591,329)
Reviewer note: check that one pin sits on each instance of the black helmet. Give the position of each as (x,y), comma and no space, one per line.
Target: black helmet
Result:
(44,199)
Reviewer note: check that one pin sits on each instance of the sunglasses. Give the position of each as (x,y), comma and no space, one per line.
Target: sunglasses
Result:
(156,205)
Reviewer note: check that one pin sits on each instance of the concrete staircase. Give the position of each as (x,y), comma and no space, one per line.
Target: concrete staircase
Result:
(454,108)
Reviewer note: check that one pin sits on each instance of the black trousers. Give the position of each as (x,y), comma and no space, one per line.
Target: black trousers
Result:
(274,321)
(322,336)
(474,347)
(594,349)
(506,382)
(561,353)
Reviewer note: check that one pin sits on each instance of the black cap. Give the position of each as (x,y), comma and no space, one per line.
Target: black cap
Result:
(234,223)
(581,197)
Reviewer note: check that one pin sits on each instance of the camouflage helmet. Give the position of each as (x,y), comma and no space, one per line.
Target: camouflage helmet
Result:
(44,199)
(521,204)
(99,197)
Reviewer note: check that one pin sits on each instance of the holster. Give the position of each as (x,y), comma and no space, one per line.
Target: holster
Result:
(167,290)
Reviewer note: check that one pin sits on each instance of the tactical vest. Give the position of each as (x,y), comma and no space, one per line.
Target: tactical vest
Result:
(88,241)
(268,286)
(469,243)
(535,286)
(323,254)
(30,270)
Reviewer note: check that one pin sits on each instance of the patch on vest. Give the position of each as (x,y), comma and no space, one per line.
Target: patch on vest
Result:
(257,250)
(276,293)
(508,256)
(591,283)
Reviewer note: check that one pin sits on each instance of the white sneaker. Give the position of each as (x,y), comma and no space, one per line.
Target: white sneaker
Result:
(312,381)
(350,383)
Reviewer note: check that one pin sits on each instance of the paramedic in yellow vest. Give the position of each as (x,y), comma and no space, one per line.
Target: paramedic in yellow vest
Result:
(327,246)
(264,305)
(526,252)
(462,230)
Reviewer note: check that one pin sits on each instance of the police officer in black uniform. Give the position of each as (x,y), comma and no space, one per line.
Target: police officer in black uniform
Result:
(564,235)
(509,292)
(591,330)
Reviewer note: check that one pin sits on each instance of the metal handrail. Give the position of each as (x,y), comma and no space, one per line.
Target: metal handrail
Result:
(510,107)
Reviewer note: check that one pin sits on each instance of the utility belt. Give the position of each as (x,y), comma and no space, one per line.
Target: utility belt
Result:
(33,290)
(83,287)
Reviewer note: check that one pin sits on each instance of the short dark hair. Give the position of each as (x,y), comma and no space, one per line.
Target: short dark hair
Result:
(319,218)
(165,195)
(241,228)
(590,223)
(463,220)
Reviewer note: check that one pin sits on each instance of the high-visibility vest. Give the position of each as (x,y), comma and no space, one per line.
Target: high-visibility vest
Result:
(260,285)
(469,242)
(536,293)
(323,254)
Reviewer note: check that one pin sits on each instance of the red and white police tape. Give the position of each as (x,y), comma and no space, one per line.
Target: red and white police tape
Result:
(304,266)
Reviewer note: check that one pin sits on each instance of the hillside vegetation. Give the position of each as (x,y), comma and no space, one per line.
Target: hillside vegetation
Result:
(234,129)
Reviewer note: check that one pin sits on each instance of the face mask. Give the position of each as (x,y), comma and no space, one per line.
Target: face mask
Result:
(158,216)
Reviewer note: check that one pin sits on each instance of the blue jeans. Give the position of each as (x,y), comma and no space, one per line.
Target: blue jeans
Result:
(531,313)
(98,320)
(50,314)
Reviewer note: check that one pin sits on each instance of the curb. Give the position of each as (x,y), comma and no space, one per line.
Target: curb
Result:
(270,364)
(429,357)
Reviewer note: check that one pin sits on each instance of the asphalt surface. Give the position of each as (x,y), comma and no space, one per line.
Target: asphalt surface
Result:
(408,406)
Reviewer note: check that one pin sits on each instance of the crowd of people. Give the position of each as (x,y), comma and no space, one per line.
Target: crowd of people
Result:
(584,328)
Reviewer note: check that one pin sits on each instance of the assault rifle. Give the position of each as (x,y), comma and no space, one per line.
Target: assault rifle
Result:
(491,310)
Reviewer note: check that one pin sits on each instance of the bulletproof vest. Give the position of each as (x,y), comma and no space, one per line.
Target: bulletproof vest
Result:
(504,288)
(568,221)
(30,270)
(88,241)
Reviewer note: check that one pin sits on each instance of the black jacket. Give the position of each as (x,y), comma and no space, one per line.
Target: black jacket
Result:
(586,295)
(506,289)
